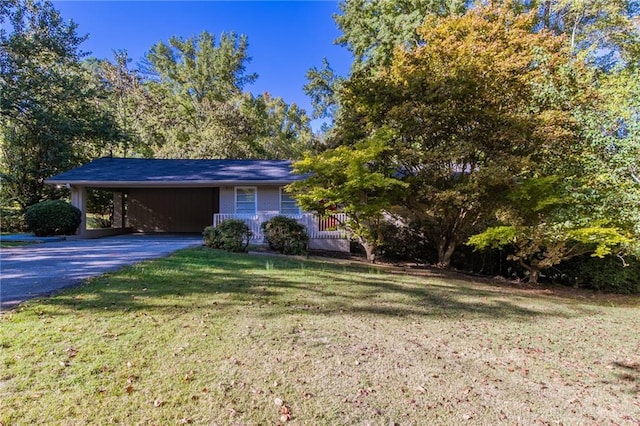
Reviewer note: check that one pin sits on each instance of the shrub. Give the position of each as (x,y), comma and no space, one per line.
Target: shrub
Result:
(604,274)
(285,235)
(53,217)
(406,242)
(12,220)
(231,235)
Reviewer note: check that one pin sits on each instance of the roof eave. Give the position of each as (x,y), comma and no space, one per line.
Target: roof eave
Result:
(166,184)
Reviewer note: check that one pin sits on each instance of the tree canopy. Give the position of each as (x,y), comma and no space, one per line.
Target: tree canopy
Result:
(49,109)
(482,106)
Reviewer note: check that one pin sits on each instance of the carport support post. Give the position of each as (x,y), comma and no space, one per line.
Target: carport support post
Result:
(119,211)
(79,200)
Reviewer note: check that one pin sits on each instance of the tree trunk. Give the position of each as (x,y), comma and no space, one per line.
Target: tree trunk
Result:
(370,249)
(446,247)
(534,272)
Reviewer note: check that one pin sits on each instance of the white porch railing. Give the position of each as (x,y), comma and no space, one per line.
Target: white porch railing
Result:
(327,227)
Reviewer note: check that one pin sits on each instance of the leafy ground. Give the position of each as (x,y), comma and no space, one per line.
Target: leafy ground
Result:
(207,337)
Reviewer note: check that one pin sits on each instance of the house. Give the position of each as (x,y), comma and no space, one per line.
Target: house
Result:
(169,195)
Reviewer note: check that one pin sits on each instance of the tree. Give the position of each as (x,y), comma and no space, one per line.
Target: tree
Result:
(201,111)
(48,106)
(200,70)
(357,181)
(323,87)
(194,83)
(280,130)
(372,29)
(609,158)
(470,112)
(601,31)
(128,101)
(540,223)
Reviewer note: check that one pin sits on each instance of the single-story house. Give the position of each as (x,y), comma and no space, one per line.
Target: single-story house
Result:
(180,196)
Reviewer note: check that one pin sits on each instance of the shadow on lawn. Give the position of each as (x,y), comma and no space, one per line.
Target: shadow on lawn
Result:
(220,282)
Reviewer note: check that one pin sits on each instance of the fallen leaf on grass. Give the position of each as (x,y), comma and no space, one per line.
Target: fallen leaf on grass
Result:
(420,389)
(285,418)
(285,414)
(129,389)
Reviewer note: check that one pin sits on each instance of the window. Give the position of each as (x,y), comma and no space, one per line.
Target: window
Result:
(288,204)
(245,200)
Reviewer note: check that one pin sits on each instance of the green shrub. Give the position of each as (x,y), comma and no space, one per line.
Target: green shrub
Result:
(605,274)
(231,235)
(406,242)
(53,217)
(285,235)
(12,220)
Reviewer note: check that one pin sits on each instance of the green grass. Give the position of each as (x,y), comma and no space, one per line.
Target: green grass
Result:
(206,337)
(6,244)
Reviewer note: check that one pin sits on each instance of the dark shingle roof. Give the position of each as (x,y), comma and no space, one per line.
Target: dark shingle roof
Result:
(146,171)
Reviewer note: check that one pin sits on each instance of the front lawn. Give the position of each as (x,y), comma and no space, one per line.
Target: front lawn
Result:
(207,337)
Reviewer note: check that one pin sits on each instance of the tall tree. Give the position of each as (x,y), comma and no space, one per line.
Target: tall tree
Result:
(322,87)
(372,29)
(605,32)
(202,111)
(127,100)
(469,111)
(48,104)
(280,130)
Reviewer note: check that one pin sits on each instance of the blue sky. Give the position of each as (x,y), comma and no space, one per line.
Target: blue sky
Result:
(286,38)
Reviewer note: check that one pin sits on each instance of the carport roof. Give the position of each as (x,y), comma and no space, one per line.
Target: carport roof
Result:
(108,171)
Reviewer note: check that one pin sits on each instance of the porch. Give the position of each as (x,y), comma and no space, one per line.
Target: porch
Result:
(325,232)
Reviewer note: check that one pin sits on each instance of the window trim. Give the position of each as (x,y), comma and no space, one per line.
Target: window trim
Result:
(255,198)
(280,203)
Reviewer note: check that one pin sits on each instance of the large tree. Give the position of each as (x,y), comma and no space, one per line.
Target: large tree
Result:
(129,102)
(201,110)
(280,130)
(604,32)
(469,111)
(50,120)
(372,29)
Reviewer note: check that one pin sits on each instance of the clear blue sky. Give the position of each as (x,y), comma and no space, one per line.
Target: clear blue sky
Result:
(286,38)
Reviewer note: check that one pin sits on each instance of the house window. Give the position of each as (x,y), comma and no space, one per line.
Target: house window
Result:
(288,204)
(246,200)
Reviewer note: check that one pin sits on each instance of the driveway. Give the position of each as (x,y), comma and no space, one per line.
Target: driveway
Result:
(41,269)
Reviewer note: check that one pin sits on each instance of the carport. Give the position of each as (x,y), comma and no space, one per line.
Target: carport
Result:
(169,195)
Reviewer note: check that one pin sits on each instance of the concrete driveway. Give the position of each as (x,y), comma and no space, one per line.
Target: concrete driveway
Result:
(41,269)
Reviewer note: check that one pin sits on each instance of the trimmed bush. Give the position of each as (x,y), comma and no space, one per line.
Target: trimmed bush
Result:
(231,235)
(285,235)
(53,217)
